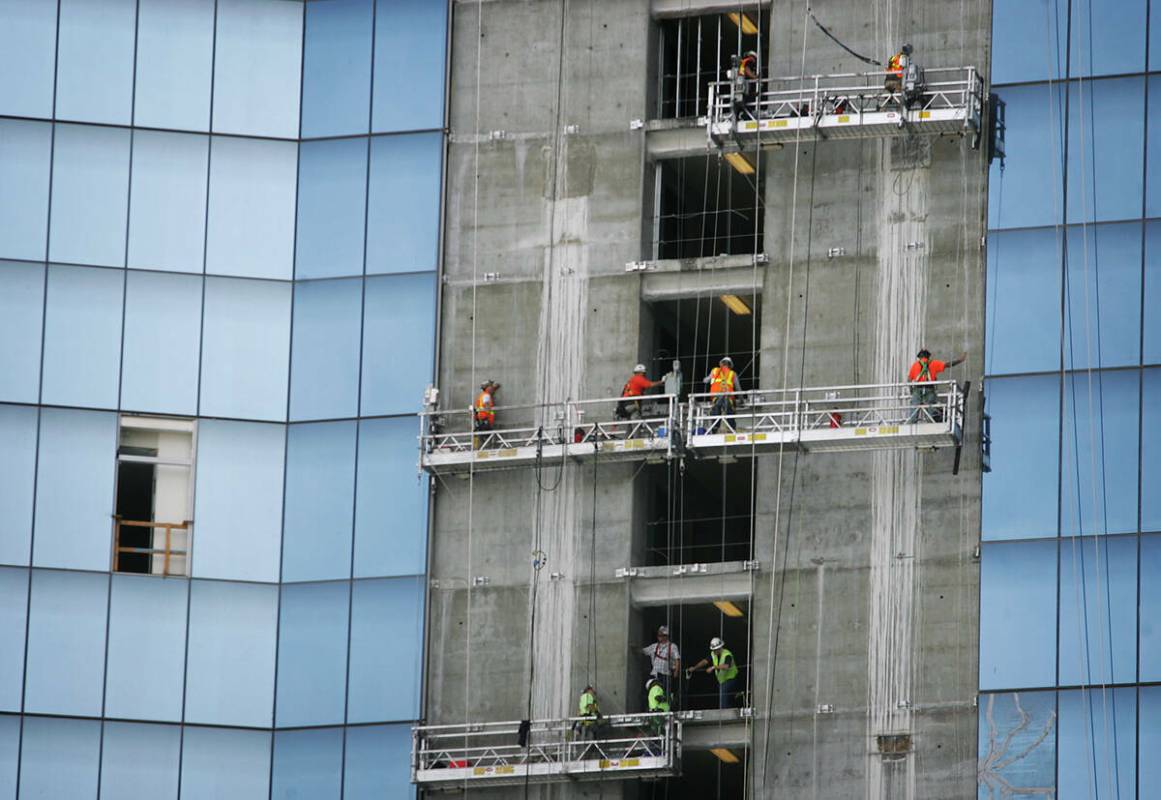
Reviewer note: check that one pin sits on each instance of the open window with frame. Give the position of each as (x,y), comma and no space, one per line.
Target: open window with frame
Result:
(152,524)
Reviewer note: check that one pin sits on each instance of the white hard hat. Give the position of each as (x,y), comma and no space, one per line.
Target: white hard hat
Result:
(727,360)
(663,630)
(639,368)
(716,644)
(649,683)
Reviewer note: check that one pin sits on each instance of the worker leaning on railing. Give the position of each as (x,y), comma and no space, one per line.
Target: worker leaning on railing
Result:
(723,383)
(925,371)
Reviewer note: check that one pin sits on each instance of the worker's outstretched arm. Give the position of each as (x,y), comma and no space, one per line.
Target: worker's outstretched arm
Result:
(962,358)
(696,667)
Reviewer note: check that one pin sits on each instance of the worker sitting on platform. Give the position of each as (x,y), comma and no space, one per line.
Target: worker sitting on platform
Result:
(486,406)
(664,659)
(658,700)
(743,75)
(723,382)
(590,711)
(635,387)
(926,370)
(721,663)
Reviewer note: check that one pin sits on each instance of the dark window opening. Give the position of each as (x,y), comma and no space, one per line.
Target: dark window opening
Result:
(707,206)
(699,331)
(694,52)
(135,502)
(703,517)
(691,627)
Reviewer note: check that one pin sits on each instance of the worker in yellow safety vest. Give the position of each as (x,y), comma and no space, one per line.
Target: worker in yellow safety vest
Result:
(723,382)
(485,407)
(721,663)
(589,712)
(658,703)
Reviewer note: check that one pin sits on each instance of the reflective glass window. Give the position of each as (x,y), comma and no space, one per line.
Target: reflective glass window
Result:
(59,758)
(312,654)
(27,57)
(1150,617)
(82,336)
(74,489)
(66,643)
(1153,176)
(1024,268)
(377,762)
(25,152)
(251,213)
(397,309)
(245,349)
(1149,698)
(21,310)
(139,762)
(1020,492)
(1099,469)
(1104,296)
(1151,454)
(17,468)
(238,506)
(403,203)
(146,638)
(9,755)
(167,212)
(230,665)
(13,618)
(163,319)
(1154,38)
(308,764)
(332,199)
(325,357)
(410,45)
(1018,614)
(90,195)
(1027,193)
(1108,37)
(223,764)
(1097,744)
(1098,610)
(320,496)
(1152,321)
(386,639)
(387,459)
(257,67)
(94,73)
(1017,743)
(1020,58)
(175,45)
(1106,149)
(336,72)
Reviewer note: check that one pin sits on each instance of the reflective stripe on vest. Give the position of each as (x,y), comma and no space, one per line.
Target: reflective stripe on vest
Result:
(657,699)
(726,674)
(484,403)
(721,380)
(924,374)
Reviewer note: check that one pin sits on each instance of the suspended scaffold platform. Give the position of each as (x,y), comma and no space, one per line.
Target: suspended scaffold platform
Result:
(888,416)
(491,754)
(849,106)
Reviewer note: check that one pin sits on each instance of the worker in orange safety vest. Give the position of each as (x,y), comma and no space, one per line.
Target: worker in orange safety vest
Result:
(485,407)
(925,370)
(896,64)
(723,382)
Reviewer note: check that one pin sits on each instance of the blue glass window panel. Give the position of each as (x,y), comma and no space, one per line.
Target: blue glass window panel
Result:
(13,618)
(398,337)
(1027,194)
(1017,742)
(1099,470)
(17,468)
(336,73)
(21,310)
(25,153)
(1018,57)
(386,639)
(74,489)
(139,762)
(1106,149)
(332,205)
(410,45)
(82,336)
(175,41)
(27,57)
(320,498)
(1098,610)
(1151,454)
(238,504)
(1149,731)
(251,212)
(1154,38)
(308,764)
(221,764)
(378,758)
(94,74)
(403,203)
(1104,296)
(230,666)
(1108,37)
(163,320)
(246,349)
(1020,493)
(1097,744)
(1152,322)
(1024,268)
(1150,616)
(1018,614)
(60,758)
(312,654)
(167,212)
(257,67)
(325,358)
(90,195)
(66,643)
(146,648)
(9,755)
(387,459)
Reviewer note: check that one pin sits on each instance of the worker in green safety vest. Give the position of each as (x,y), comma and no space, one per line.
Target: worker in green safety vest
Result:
(721,663)
(658,704)
(590,712)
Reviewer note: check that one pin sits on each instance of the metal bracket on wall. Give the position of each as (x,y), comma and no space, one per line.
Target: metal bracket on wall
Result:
(752,566)
(824,708)
(836,252)
(914,246)
(690,569)
(481,580)
(761,258)
(640,266)
(626,572)
(636,124)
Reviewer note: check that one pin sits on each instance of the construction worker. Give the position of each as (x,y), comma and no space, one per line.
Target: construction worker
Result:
(896,65)
(485,407)
(636,386)
(664,659)
(590,712)
(743,75)
(674,379)
(721,663)
(658,700)
(723,382)
(925,371)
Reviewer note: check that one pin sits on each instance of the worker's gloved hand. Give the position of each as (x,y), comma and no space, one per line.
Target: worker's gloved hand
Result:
(688,671)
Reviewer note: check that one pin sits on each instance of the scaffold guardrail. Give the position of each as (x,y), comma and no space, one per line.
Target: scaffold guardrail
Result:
(620,746)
